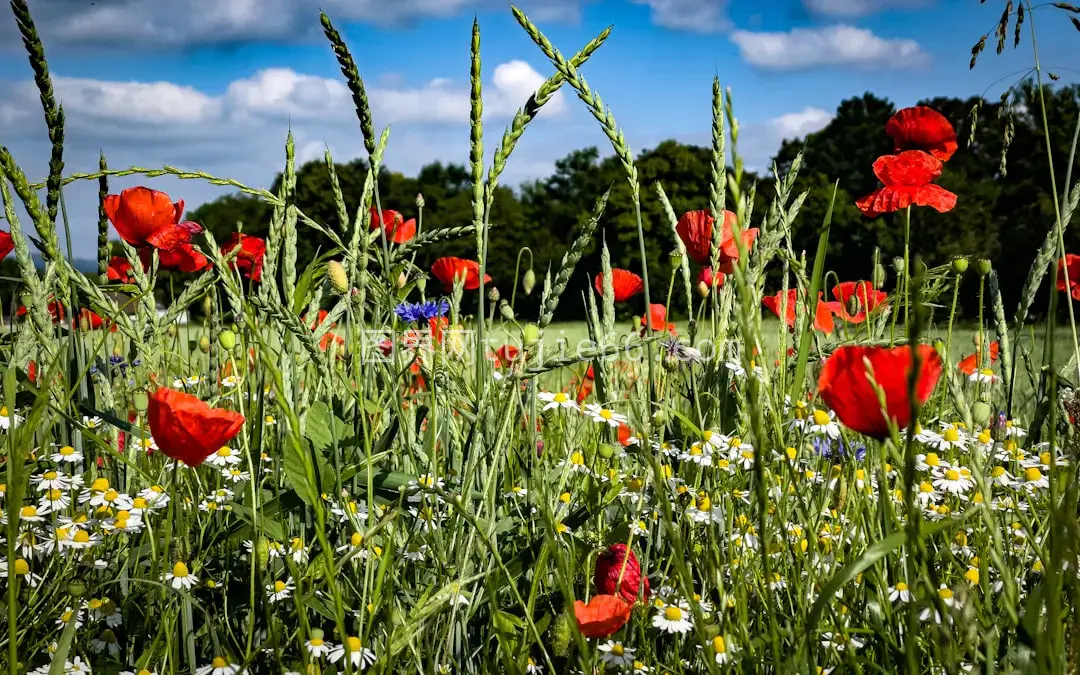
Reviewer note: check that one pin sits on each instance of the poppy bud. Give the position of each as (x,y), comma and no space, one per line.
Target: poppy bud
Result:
(959,265)
(227,340)
(207,305)
(980,413)
(140,400)
(606,450)
(493,294)
(898,265)
(530,334)
(76,589)
(528,281)
(880,276)
(419,200)
(703,289)
(204,344)
(421,284)
(982,266)
(539,447)
(976,339)
(853,305)
(506,311)
(339,279)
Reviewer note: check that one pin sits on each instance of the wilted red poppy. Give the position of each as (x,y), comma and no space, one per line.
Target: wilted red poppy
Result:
(845,387)
(145,217)
(249,259)
(922,128)
(823,318)
(183,258)
(1070,264)
(6,244)
(449,268)
(625,283)
(609,567)
(603,616)
(907,178)
(856,299)
(707,277)
(657,319)
(398,230)
(695,228)
(119,270)
(186,428)
(969,364)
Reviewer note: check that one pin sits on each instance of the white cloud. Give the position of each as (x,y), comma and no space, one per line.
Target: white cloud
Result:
(164,24)
(799,124)
(802,48)
(854,8)
(143,102)
(699,16)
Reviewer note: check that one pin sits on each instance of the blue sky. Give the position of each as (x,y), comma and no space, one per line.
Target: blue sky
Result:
(215,84)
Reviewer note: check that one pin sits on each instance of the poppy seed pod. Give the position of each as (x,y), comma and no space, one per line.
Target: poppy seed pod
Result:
(140,400)
(675,257)
(207,305)
(530,334)
(339,279)
(204,344)
(76,589)
(606,451)
(528,281)
(506,311)
(898,264)
(982,266)
(980,413)
(227,340)
(960,265)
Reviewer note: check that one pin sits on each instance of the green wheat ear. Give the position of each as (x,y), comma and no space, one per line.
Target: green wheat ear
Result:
(353,81)
(103,221)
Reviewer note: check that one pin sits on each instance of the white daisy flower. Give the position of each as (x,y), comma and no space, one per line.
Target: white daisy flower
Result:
(360,656)
(279,590)
(92,422)
(557,399)
(953,482)
(7,420)
(601,415)
(67,455)
(823,423)
(899,593)
(616,654)
(219,666)
(317,647)
(672,619)
(180,577)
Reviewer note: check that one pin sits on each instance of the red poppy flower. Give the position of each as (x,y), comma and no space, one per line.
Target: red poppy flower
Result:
(1070,264)
(823,318)
(6,244)
(505,355)
(183,258)
(657,319)
(119,270)
(584,389)
(449,268)
(707,277)
(602,617)
(625,435)
(969,364)
(249,260)
(922,128)
(438,325)
(609,565)
(93,320)
(186,428)
(330,338)
(695,228)
(845,387)
(145,217)
(398,230)
(856,299)
(907,178)
(625,283)
(56,310)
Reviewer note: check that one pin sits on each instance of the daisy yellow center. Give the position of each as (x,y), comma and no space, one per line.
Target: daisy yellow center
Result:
(747,454)
(111,496)
(577,458)
(704,503)
(997,471)
(28,512)
(123,515)
(606,414)
(50,475)
(317,642)
(353,643)
(695,450)
(952,474)
(900,586)
(635,485)
(860,474)
(932,459)
(564,498)
(945,593)
(144,671)
(138,503)
(617,649)
(718,645)
(1044,458)
(224,452)
(100,485)
(81,537)
(561,398)
(972,575)
(219,662)
(62,533)
(67,451)
(180,570)
(951,435)
(1033,473)
(790,453)
(279,586)
(561,528)
(673,614)
(736,442)
(356,539)
(821,418)
(21,567)
(961,538)
(707,435)
(925,487)
(723,463)
(984,436)
(987,372)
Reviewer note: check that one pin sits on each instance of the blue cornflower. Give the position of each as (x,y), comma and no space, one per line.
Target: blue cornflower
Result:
(411,312)
(831,448)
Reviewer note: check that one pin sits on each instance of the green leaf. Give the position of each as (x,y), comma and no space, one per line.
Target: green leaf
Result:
(297,471)
(323,428)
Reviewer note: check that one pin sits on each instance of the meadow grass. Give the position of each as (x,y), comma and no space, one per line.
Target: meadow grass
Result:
(403,494)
